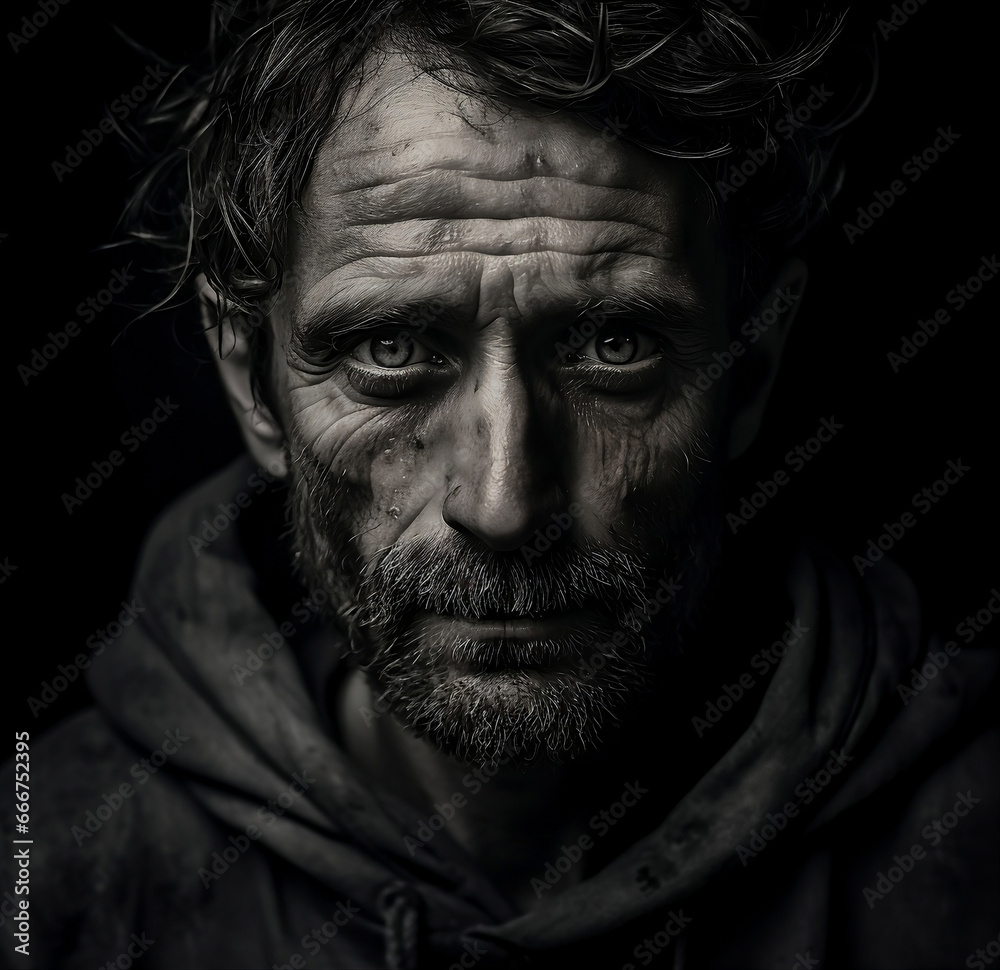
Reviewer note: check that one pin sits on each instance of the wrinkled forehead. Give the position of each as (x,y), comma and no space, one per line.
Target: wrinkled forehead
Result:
(407,148)
(400,121)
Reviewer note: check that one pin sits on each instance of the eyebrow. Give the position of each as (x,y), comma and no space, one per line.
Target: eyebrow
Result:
(683,310)
(341,318)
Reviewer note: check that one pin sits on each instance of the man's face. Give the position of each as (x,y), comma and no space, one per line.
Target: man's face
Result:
(486,324)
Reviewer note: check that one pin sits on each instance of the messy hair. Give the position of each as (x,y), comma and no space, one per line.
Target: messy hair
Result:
(687,79)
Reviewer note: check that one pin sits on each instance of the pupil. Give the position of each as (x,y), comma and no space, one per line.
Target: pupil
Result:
(391,351)
(618,348)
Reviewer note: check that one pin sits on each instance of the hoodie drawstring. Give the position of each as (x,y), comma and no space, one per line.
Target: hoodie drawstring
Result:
(400,906)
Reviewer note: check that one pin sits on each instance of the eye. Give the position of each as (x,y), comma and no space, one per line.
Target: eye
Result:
(617,345)
(394,349)
(391,351)
(620,347)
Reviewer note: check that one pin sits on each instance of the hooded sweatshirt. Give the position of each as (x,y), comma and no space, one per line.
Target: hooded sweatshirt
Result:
(203,814)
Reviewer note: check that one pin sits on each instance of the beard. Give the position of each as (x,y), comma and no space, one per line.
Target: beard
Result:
(512,697)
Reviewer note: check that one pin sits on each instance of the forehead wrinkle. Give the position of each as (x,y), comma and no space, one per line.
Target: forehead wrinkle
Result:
(479,197)
(433,212)
(411,123)
(365,193)
(445,167)
(512,169)
(326,244)
(501,247)
(592,280)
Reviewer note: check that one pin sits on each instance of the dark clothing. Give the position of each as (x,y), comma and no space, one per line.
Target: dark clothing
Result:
(247,839)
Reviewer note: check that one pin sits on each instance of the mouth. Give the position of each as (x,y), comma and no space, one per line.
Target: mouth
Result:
(493,644)
(548,626)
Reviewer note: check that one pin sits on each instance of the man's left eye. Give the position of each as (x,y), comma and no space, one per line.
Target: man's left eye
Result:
(393,350)
(620,346)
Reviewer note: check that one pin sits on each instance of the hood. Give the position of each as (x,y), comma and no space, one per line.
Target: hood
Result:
(198,657)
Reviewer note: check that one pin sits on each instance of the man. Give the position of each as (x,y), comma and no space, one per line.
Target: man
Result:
(422,682)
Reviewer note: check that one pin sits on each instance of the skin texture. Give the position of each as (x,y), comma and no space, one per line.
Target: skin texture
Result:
(506,226)
(511,224)
(486,234)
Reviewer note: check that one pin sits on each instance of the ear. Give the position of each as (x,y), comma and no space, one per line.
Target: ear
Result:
(261,432)
(766,334)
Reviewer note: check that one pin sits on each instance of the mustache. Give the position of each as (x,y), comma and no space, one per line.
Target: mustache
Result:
(455,576)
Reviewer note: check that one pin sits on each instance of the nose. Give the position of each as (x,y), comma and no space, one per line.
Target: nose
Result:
(504,483)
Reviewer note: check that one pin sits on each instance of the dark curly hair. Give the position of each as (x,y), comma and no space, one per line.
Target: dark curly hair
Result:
(689,79)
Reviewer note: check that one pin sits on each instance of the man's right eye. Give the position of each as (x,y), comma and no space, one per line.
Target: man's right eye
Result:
(394,349)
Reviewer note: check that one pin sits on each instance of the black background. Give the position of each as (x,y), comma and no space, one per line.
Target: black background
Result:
(900,430)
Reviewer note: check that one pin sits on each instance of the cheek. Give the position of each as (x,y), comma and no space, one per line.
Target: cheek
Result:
(418,455)
(407,476)
(624,466)
(395,462)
